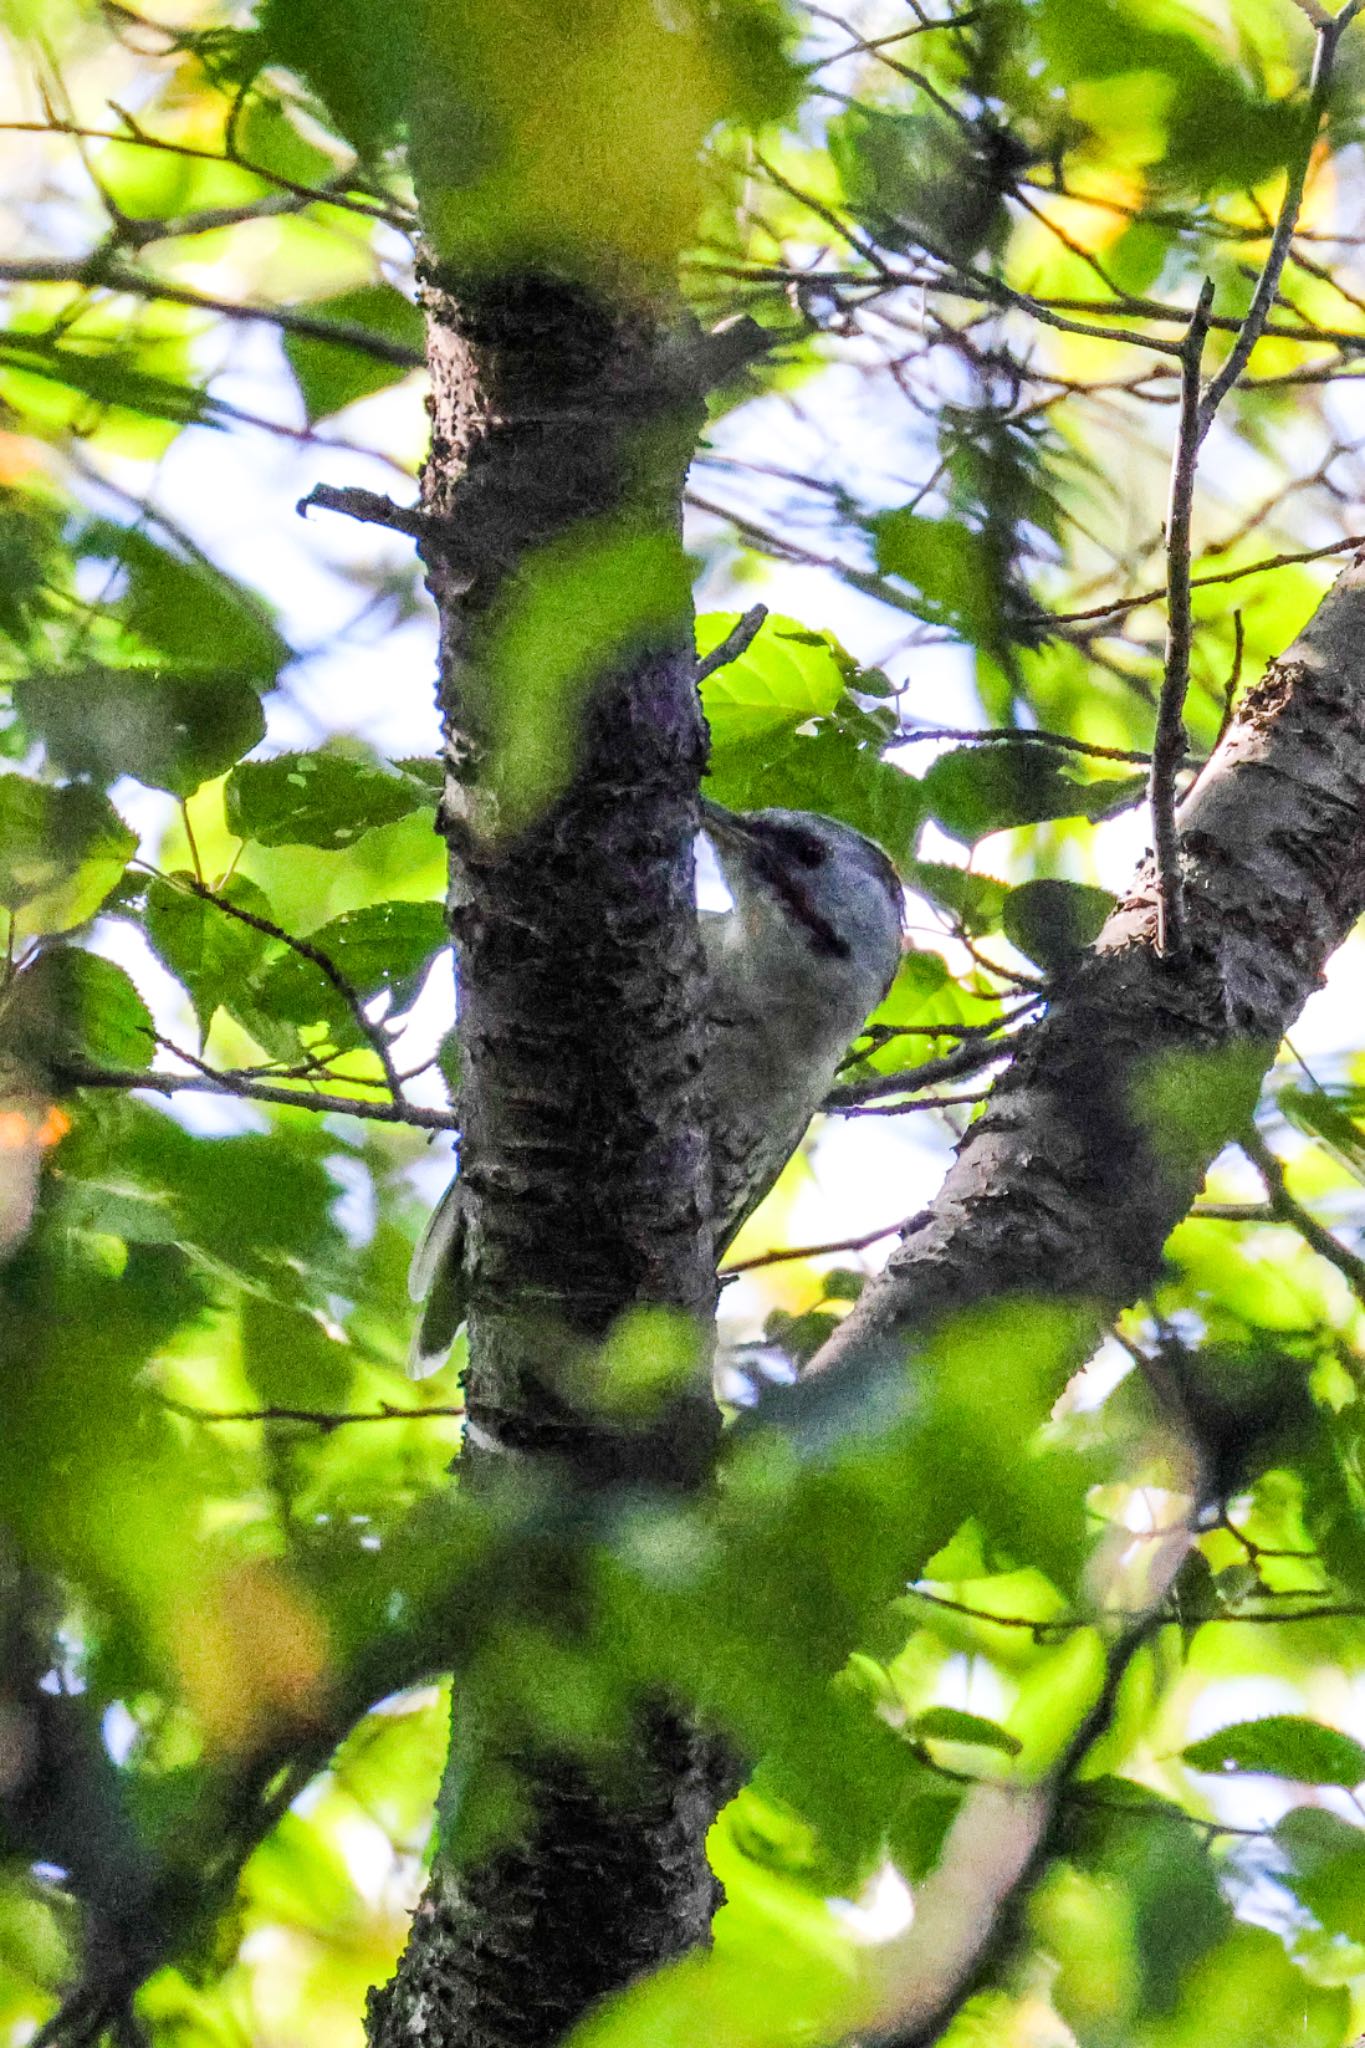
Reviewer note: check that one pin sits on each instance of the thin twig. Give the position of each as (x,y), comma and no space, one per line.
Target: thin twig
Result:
(1118,605)
(323,1419)
(736,642)
(787,1253)
(1329,33)
(77,1074)
(1285,1209)
(326,966)
(1168,746)
(965,1059)
(95,272)
(1022,735)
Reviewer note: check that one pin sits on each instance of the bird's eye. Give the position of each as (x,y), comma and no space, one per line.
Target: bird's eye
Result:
(809,851)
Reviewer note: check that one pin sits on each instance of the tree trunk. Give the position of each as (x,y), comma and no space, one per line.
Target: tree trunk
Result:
(560,423)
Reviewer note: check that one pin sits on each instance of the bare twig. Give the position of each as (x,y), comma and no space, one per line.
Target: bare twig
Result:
(966,1059)
(325,1420)
(1168,747)
(1118,605)
(1284,1209)
(77,1074)
(788,1253)
(739,638)
(96,272)
(1329,33)
(371,507)
(1023,736)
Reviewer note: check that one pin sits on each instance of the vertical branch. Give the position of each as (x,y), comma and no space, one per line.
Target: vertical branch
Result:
(1168,746)
(1329,33)
(1197,415)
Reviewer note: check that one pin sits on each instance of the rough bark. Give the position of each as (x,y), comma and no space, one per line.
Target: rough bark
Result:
(582,1154)
(1080,1167)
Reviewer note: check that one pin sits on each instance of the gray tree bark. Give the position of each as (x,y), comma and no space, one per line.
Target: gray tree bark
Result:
(583,1156)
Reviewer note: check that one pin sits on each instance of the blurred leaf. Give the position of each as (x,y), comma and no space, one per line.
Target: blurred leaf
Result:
(973,791)
(63,848)
(947,565)
(331,374)
(951,1724)
(1286,1746)
(577,608)
(187,610)
(978,901)
(291,1359)
(1326,1858)
(172,729)
(1192,1103)
(1054,922)
(1223,131)
(71,1004)
(317,799)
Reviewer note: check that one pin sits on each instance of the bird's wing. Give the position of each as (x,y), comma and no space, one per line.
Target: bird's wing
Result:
(436,1279)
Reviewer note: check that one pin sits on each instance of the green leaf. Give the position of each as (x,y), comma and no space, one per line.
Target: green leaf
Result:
(333,374)
(947,565)
(976,790)
(291,1359)
(1053,922)
(951,1724)
(189,611)
(172,729)
(63,848)
(824,771)
(359,60)
(71,1004)
(383,946)
(1285,1746)
(977,901)
(213,953)
(1327,1865)
(318,799)
(785,676)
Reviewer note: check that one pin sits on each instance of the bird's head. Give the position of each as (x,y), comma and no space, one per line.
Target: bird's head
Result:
(815,888)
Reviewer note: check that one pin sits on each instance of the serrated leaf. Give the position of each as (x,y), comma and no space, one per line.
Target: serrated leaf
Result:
(1052,922)
(381,947)
(785,676)
(63,848)
(827,772)
(213,953)
(74,1005)
(975,790)
(952,1724)
(1284,1746)
(170,728)
(977,901)
(188,611)
(317,799)
(334,374)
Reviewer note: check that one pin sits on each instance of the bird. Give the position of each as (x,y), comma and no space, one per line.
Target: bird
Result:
(807,950)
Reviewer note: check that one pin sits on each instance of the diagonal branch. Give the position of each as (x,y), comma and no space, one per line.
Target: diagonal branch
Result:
(1076,1173)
